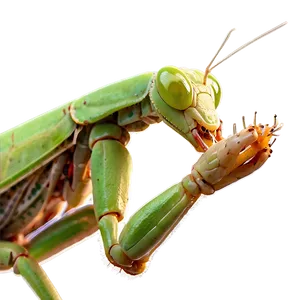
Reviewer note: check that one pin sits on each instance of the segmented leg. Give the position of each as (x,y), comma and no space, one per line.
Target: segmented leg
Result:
(221,165)
(74,226)
(77,188)
(111,167)
(12,255)
(246,169)
(70,229)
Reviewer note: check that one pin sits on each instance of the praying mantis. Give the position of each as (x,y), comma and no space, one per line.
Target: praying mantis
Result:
(49,165)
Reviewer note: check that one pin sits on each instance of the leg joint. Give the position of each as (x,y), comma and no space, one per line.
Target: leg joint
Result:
(15,265)
(195,185)
(205,187)
(108,131)
(9,253)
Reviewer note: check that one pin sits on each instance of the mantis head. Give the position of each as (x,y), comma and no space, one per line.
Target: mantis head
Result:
(188,104)
(187,99)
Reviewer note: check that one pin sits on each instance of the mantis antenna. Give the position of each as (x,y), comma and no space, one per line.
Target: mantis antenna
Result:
(209,68)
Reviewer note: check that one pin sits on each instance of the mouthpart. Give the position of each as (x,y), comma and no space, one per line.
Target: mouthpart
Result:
(206,138)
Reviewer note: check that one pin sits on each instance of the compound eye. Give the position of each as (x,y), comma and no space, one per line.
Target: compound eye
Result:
(174,88)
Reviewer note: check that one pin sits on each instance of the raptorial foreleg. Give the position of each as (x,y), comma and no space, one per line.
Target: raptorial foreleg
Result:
(222,164)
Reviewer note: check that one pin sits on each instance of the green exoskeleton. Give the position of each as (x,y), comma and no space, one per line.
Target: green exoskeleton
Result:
(49,165)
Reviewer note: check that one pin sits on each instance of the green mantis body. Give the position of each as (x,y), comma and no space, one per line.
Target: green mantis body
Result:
(50,164)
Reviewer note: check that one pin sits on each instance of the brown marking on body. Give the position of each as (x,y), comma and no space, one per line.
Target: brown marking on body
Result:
(64,111)
(13,139)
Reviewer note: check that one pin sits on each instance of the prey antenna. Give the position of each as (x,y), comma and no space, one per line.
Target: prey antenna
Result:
(209,68)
